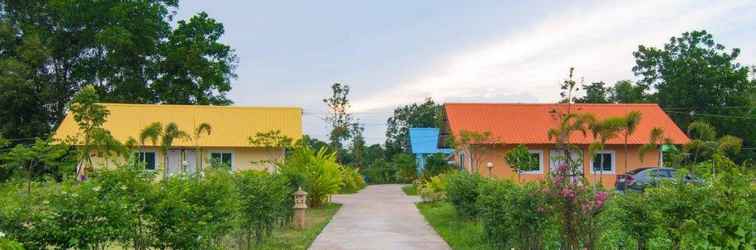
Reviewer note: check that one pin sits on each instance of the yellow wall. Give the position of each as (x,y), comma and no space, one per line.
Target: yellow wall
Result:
(502,170)
(243,158)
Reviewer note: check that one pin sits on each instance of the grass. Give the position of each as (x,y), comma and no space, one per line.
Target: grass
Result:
(410,189)
(290,238)
(457,232)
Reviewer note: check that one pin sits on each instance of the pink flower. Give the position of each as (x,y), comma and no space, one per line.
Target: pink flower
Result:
(567,193)
(600,199)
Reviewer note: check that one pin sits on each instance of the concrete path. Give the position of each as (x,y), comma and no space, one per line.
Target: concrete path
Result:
(378,217)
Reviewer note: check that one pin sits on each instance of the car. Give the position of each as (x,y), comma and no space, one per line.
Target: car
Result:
(639,179)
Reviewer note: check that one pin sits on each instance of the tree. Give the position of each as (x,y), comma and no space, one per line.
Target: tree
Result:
(128,50)
(696,78)
(273,139)
(202,128)
(476,145)
(596,92)
(417,115)
(520,159)
(95,140)
(655,140)
(339,117)
(358,146)
(625,91)
(604,130)
(166,135)
(42,152)
(631,121)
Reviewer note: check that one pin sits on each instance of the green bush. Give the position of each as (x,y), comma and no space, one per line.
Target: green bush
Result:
(265,201)
(406,167)
(436,164)
(433,189)
(353,180)
(515,216)
(462,191)
(317,173)
(380,172)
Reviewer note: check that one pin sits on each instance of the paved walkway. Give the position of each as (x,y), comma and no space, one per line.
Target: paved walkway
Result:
(378,217)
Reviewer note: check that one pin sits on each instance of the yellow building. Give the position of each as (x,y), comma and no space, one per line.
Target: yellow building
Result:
(228,142)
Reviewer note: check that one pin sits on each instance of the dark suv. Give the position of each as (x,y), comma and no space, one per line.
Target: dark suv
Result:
(639,179)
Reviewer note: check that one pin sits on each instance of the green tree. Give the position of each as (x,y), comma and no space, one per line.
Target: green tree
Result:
(417,115)
(625,91)
(272,141)
(630,123)
(520,159)
(596,92)
(29,158)
(128,50)
(339,117)
(202,128)
(696,78)
(94,140)
(166,135)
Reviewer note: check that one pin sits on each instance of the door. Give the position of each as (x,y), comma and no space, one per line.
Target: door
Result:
(190,158)
(174,162)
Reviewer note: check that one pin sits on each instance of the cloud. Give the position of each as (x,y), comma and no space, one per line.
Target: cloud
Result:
(528,66)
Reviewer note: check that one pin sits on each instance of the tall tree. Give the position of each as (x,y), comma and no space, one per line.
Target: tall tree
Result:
(596,92)
(338,115)
(128,50)
(625,91)
(417,115)
(697,78)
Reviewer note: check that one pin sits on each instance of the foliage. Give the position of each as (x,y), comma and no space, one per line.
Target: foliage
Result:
(410,190)
(317,172)
(436,164)
(129,51)
(519,159)
(265,201)
(300,239)
(463,190)
(339,117)
(427,114)
(515,216)
(693,74)
(476,145)
(406,167)
(433,189)
(625,91)
(381,172)
(90,116)
(166,135)
(38,160)
(596,92)
(353,180)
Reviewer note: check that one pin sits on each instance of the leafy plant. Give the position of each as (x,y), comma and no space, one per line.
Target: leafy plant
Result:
(316,172)
(265,201)
(520,159)
(433,189)
(462,190)
(353,180)
(406,168)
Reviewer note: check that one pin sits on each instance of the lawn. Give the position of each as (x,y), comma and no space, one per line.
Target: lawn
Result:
(290,238)
(457,232)
(410,189)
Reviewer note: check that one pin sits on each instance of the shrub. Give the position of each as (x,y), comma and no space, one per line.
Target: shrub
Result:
(463,190)
(436,164)
(265,201)
(316,172)
(515,216)
(353,180)
(380,172)
(406,167)
(433,189)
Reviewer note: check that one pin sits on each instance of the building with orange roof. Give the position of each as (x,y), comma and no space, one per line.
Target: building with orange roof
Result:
(511,124)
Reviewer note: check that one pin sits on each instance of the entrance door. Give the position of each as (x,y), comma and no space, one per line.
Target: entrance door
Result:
(174,162)
(190,156)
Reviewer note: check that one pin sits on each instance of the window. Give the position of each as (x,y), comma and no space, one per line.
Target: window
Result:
(538,156)
(603,162)
(148,158)
(225,159)
(557,158)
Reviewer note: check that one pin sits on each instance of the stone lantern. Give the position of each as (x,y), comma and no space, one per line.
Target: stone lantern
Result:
(300,205)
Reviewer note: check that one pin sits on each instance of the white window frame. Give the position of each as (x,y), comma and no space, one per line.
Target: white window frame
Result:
(233,156)
(540,162)
(462,160)
(157,163)
(613,164)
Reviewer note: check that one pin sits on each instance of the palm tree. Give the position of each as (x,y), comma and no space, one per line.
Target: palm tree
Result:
(171,132)
(631,121)
(202,128)
(603,130)
(151,132)
(655,140)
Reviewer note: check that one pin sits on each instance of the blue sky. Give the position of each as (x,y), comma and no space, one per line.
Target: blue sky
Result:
(397,52)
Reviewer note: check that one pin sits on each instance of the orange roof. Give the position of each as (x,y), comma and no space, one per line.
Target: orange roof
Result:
(528,123)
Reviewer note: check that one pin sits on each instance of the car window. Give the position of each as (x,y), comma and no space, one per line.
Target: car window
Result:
(669,173)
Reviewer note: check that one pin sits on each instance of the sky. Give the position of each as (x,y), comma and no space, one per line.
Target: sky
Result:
(393,53)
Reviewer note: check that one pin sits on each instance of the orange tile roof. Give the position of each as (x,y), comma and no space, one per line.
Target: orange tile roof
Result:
(528,123)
